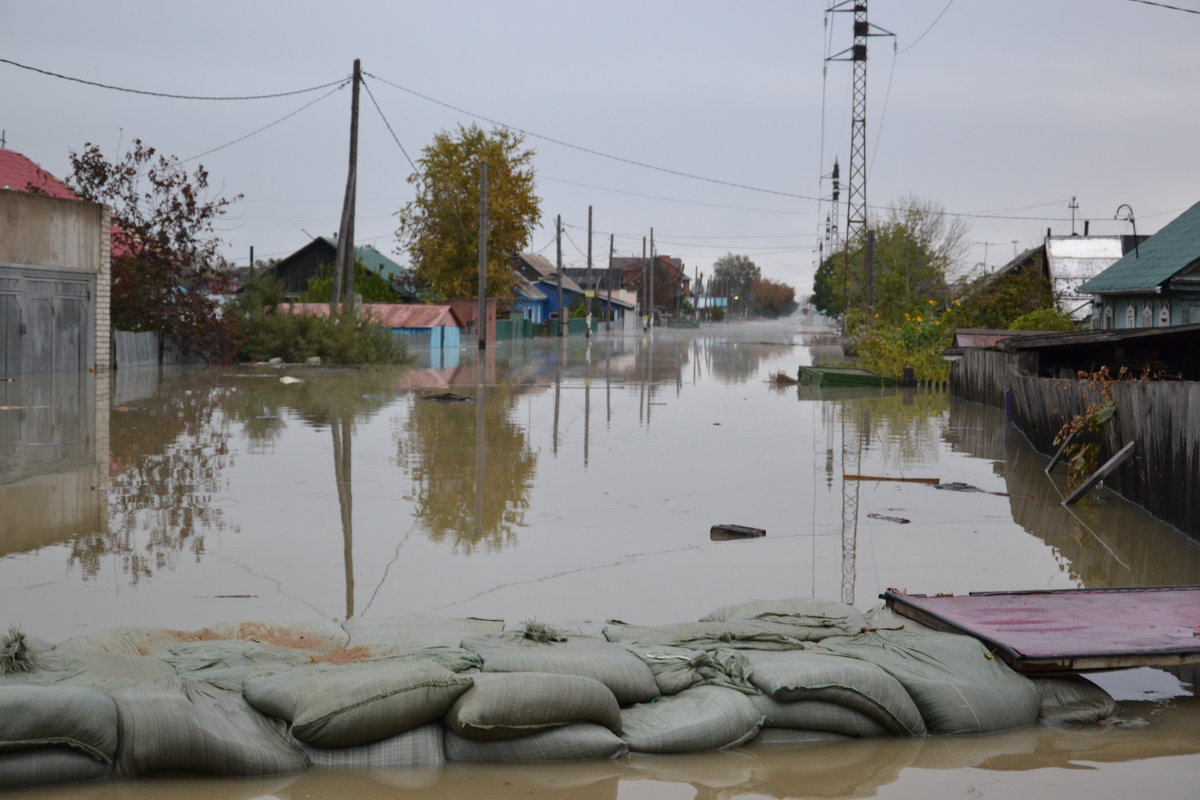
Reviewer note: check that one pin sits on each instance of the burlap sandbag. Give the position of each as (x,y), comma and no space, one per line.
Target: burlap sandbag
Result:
(700,718)
(345,705)
(580,741)
(506,705)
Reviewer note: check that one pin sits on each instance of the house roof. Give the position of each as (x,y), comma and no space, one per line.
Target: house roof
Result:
(527,290)
(19,173)
(372,259)
(545,272)
(388,315)
(1155,261)
(1076,259)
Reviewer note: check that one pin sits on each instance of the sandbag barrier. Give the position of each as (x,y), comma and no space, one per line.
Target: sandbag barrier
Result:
(261,699)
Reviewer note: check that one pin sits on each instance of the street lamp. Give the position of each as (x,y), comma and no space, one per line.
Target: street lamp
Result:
(1131,221)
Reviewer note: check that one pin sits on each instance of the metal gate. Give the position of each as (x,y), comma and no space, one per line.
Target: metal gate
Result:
(45,320)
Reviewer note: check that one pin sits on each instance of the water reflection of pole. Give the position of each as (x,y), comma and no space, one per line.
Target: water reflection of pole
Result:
(557,393)
(850,506)
(587,402)
(480,442)
(342,434)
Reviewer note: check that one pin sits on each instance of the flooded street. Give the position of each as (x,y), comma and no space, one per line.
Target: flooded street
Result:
(568,480)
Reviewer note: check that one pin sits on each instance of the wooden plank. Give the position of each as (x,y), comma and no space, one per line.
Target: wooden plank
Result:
(1058,455)
(1069,630)
(1099,474)
(849,477)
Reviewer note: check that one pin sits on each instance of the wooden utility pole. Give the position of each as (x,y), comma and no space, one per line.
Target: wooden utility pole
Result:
(481,305)
(645,291)
(653,276)
(343,277)
(608,319)
(591,289)
(562,316)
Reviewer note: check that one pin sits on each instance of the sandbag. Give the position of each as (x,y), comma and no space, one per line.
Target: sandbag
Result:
(678,668)
(67,716)
(312,637)
(394,635)
(506,705)
(419,747)
(700,718)
(200,728)
(791,737)
(957,686)
(44,765)
(353,704)
(98,669)
(818,715)
(804,618)
(130,640)
(1073,700)
(849,682)
(575,742)
(706,636)
(630,680)
(228,663)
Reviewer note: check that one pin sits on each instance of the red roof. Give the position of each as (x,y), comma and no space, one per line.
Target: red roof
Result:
(22,175)
(388,315)
(19,173)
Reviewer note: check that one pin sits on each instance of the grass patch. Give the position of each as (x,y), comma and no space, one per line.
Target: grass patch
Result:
(15,654)
(542,633)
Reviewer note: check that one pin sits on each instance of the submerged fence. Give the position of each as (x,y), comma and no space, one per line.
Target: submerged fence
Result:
(1161,418)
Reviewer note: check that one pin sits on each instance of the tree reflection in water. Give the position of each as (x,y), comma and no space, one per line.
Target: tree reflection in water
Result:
(436,446)
(167,454)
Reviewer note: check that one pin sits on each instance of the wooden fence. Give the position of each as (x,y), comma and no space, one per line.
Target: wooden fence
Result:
(1161,418)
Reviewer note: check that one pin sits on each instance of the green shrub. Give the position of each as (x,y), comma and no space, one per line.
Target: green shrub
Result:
(1043,319)
(341,338)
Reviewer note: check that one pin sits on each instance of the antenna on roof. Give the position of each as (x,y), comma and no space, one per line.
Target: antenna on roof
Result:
(3,141)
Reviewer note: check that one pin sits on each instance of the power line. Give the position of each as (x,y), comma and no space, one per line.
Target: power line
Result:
(341,85)
(396,138)
(674,199)
(1164,5)
(927,30)
(168,94)
(591,151)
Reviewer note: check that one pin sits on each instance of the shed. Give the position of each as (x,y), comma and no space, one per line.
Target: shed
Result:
(1156,285)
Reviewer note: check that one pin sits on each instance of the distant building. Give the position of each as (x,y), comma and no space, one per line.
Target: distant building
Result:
(1155,285)
(545,278)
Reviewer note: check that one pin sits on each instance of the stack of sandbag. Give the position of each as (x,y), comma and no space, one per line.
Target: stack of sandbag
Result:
(260,699)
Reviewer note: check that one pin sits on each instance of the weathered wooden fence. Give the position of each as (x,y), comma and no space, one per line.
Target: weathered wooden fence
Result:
(1161,418)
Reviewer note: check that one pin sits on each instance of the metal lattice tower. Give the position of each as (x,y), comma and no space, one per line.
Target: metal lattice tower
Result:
(856,186)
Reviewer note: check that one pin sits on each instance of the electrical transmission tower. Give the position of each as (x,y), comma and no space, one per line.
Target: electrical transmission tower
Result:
(856,188)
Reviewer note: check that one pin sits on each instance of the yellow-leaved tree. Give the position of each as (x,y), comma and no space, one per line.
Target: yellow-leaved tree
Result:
(439,228)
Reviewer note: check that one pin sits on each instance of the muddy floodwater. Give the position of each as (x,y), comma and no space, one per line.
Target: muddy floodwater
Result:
(564,480)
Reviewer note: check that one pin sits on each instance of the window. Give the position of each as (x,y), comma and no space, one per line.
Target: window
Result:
(1164,314)
(1147,316)
(1130,316)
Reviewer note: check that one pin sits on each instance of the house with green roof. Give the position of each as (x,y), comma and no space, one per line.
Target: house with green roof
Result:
(1155,285)
(304,264)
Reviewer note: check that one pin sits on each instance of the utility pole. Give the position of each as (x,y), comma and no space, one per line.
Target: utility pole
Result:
(645,291)
(481,303)
(870,262)
(343,276)
(562,315)
(1074,206)
(653,276)
(608,279)
(591,290)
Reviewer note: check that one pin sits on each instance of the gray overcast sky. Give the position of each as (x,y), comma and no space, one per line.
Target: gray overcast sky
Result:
(1000,108)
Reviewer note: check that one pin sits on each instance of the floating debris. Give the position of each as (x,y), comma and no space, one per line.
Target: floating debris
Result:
(886,518)
(935,481)
(289,379)
(720,533)
(782,379)
(956,486)
(448,397)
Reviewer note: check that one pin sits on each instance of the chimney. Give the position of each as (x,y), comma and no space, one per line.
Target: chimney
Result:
(1085,227)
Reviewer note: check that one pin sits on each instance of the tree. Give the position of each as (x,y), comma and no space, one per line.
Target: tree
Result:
(165,267)
(439,228)
(733,277)
(915,248)
(772,299)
